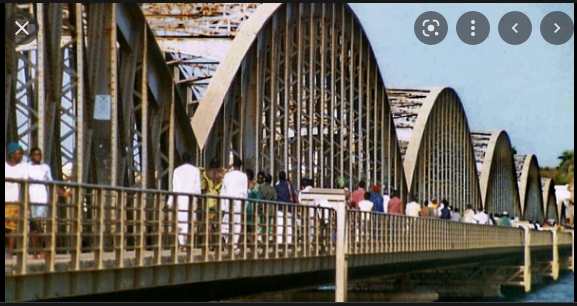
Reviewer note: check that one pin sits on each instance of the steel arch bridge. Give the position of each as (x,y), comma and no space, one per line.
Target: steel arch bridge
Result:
(550,200)
(114,93)
(531,190)
(497,172)
(436,143)
(302,96)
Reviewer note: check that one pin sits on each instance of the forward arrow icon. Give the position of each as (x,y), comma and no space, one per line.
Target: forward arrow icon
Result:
(558,28)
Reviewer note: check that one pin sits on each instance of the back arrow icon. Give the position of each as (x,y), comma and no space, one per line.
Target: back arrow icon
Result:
(515,27)
(558,28)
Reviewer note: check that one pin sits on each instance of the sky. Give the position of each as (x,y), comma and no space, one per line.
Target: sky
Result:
(526,90)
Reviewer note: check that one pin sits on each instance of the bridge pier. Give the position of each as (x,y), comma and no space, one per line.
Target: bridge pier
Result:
(527,277)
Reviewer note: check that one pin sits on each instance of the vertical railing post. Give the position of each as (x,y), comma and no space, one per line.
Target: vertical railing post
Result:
(175,248)
(141,247)
(276,231)
(101,227)
(219,225)
(159,227)
(77,229)
(244,226)
(341,258)
(207,229)
(192,235)
(120,245)
(22,229)
(268,229)
(51,230)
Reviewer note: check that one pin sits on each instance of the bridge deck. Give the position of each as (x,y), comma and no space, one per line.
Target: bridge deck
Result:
(116,239)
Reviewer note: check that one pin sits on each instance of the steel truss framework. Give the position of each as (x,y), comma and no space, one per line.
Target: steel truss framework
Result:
(550,200)
(301,92)
(435,138)
(497,172)
(306,97)
(93,92)
(531,190)
(197,19)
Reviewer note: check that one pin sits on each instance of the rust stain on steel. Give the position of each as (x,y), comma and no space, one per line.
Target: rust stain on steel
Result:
(405,107)
(197,19)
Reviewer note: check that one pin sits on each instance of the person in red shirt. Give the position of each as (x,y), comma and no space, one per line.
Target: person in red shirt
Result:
(359,194)
(396,206)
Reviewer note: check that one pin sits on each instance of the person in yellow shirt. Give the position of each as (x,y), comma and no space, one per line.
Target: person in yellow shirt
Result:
(434,208)
(211,182)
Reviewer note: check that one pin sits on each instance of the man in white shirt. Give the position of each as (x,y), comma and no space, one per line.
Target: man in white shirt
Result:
(186,179)
(413,209)
(469,215)
(386,200)
(13,169)
(307,185)
(234,185)
(326,219)
(481,217)
(39,197)
(366,207)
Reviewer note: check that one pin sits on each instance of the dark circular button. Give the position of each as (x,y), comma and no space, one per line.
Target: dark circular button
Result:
(557,28)
(431,28)
(515,28)
(473,28)
(21,28)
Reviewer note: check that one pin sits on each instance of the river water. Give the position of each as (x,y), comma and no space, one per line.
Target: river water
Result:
(547,290)
(562,290)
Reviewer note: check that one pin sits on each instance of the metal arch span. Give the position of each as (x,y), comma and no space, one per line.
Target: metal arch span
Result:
(435,139)
(302,93)
(198,37)
(550,200)
(531,190)
(497,173)
(207,112)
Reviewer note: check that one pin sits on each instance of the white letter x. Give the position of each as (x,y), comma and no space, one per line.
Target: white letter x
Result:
(22,28)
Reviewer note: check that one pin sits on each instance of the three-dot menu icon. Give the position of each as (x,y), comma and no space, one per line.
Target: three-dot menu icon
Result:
(473,28)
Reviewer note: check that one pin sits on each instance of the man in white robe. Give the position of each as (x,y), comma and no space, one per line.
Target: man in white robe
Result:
(234,185)
(308,186)
(186,179)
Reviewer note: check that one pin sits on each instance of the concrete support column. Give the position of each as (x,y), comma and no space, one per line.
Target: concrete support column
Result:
(527,267)
(341,258)
(555,260)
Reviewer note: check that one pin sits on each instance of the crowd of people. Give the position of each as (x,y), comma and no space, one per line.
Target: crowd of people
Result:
(237,184)
(38,196)
(230,195)
(362,200)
